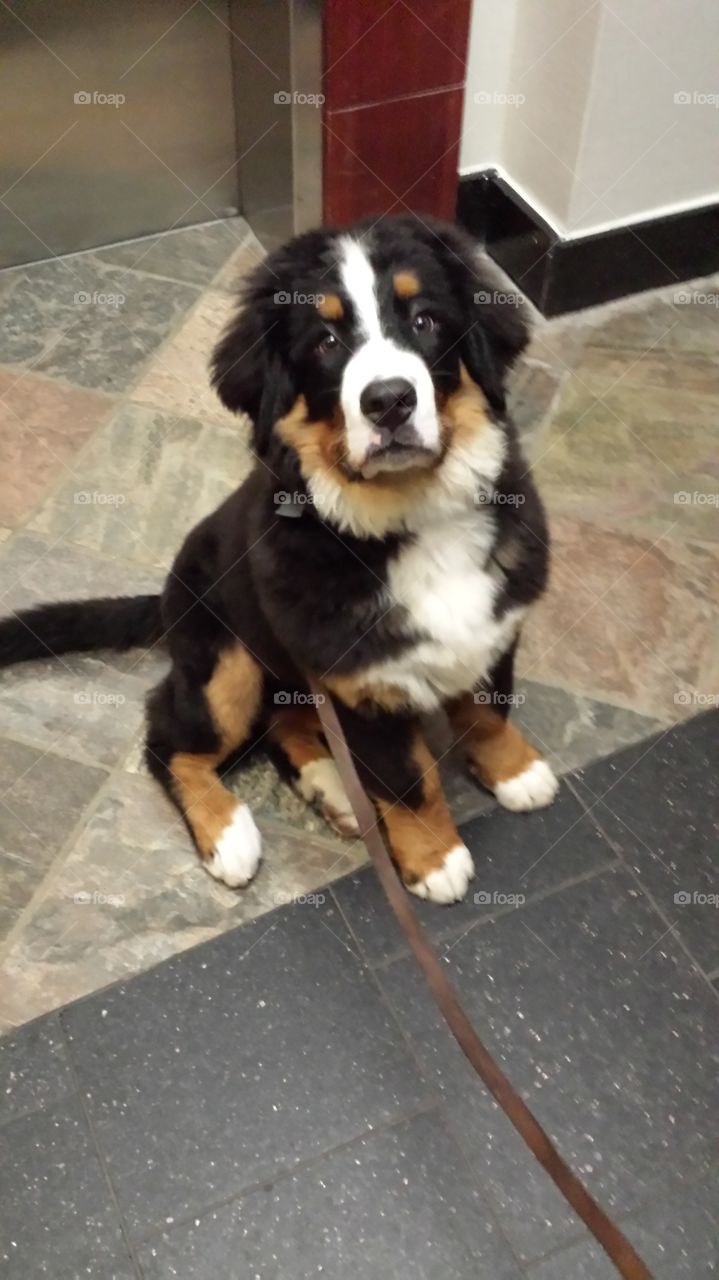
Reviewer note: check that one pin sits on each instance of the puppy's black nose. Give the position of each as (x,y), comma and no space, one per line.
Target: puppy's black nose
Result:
(388,401)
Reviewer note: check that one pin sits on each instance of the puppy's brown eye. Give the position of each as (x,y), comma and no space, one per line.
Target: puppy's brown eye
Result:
(424,323)
(327,344)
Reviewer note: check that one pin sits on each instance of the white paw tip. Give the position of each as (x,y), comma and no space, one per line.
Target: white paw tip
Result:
(238,850)
(532,789)
(319,783)
(449,882)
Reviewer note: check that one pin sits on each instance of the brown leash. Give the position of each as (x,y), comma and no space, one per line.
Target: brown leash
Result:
(615,1244)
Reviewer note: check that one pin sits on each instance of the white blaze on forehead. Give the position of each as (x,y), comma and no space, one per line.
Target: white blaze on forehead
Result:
(377,356)
(359,280)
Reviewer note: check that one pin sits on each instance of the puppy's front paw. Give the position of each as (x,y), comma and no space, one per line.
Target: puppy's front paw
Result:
(237,853)
(534,788)
(320,784)
(449,881)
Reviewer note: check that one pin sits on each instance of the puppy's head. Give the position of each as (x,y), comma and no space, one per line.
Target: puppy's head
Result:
(351,345)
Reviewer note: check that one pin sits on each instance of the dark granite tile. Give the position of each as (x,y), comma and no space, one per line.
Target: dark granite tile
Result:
(34,1069)
(244,1056)
(677,1237)
(659,801)
(397,1203)
(516,857)
(56,1214)
(191,254)
(86,321)
(607,1032)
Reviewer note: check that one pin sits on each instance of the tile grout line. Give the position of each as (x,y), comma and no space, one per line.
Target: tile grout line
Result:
(126,1238)
(284,1173)
(646,893)
(431,1086)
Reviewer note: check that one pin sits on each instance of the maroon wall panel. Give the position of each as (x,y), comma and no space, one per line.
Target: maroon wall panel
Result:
(393,105)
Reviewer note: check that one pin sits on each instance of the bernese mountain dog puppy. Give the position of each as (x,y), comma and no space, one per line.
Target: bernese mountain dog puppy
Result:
(389,541)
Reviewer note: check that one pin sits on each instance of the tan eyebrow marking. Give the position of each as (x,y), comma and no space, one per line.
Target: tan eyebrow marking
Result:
(406,284)
(330,307)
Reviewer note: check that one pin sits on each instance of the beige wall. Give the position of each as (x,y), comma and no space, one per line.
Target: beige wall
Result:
(582,118)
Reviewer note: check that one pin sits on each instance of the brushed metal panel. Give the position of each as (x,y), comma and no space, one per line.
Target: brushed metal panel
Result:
(76,172)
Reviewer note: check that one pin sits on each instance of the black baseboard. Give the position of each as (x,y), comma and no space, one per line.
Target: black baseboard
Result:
(565,275)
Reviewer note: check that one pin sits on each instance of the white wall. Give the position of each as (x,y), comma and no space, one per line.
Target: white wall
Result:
(581,117)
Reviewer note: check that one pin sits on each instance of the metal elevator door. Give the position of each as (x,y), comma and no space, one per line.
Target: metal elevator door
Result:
(116,120)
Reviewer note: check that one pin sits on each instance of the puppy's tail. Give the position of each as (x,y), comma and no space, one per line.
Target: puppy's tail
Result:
(78,626)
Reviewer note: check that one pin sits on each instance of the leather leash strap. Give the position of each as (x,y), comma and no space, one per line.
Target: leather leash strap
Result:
(615,1244)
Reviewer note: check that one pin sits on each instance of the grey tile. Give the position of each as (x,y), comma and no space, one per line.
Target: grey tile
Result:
(191,254)
(42,799)
(34,1069)
(81,707)
(139,487)
(56,1215)
(397,1203)
(221,1067)
(607,1032)
(132,892)
(33,571)
(86,321)
(659,801)
(516,856)
(677,1237)
(571,730)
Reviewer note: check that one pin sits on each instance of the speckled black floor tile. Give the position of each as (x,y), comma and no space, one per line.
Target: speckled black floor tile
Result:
(606,1029)
(34,1069)
(678,1238)
(56,1214)
(244,1056)
(660,803)
(397,1203)
(516,856)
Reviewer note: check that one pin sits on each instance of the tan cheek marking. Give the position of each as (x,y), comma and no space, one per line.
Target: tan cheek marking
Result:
(330,307)
(463,414)
(318,445)
(406,284)
(495,749)
(420,838)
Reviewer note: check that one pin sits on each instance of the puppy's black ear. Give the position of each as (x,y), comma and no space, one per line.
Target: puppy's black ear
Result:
(249,372)
(496,315)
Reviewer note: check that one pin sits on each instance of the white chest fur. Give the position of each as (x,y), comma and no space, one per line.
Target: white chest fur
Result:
(449,597)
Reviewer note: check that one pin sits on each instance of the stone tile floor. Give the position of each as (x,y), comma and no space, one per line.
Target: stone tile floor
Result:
(114,446)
